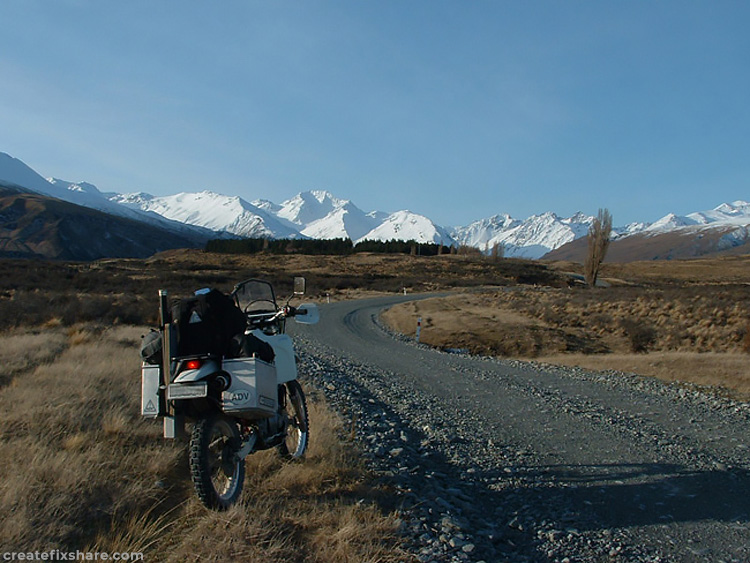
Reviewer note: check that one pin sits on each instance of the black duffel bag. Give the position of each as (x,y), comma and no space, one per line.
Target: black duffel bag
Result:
(206,323)
(151,347)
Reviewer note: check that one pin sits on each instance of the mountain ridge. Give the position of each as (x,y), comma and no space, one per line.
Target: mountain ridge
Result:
(319,214)
(35,225)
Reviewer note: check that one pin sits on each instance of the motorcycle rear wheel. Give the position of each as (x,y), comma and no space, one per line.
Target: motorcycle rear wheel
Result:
(294,444)
(217,476)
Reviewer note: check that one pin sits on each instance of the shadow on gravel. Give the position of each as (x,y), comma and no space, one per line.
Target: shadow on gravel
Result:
(645,494)
(460,494)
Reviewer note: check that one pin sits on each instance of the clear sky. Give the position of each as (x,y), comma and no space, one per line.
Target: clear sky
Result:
(454,109)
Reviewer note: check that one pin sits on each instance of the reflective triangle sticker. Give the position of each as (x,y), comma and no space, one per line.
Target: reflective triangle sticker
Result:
(150,407)
(195,318)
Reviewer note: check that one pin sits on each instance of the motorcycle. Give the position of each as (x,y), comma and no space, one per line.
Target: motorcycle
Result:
(238,405)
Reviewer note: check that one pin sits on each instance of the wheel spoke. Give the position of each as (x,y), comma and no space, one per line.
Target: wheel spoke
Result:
(217,477)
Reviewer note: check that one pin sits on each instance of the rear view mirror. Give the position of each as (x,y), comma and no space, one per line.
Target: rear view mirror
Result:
(299,286)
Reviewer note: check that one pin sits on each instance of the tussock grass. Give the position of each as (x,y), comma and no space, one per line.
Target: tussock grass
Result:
(124,291)
(22,350)
(716,370)
(317,510)
(693,333)
(80,469)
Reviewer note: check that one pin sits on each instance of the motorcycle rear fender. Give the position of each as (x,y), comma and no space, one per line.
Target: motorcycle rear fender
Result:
(209,367)
(285,362)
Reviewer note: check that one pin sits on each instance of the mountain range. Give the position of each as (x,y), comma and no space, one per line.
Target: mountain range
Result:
(195,217)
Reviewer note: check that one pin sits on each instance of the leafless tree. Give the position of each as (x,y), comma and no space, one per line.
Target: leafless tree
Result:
(598,242)
(498,251)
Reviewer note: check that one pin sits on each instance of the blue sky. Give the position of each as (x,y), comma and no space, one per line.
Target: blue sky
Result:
(454,109)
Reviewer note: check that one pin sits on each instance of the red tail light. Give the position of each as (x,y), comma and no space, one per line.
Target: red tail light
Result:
(193,364)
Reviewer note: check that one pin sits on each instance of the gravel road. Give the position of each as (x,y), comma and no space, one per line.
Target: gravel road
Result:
(496,460)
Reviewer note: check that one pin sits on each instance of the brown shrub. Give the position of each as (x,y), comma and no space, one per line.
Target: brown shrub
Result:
(746,340)
(640,335)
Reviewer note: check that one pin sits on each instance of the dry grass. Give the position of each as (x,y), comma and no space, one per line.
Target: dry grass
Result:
(20,351)
(695,333)
(80,469)
(724,270)
(716,370)
(37,293)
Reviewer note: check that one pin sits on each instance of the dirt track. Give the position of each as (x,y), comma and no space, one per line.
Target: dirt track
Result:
(547,463)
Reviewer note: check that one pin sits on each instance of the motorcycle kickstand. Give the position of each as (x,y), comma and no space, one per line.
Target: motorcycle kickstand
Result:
(247,447)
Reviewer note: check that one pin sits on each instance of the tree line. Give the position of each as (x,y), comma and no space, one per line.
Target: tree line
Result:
(336,247)
(598,238)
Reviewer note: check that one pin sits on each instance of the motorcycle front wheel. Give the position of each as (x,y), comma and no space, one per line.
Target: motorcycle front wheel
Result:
(217,475)
(295,442)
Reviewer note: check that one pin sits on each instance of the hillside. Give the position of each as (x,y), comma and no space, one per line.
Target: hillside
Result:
(687,242)
(36,226)
(319,214)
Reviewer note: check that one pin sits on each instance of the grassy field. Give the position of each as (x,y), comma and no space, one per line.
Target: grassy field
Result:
(81,470)
(678,321)
(79,467)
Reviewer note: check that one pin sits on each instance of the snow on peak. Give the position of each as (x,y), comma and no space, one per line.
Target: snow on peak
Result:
(267,206)
(345,221)
(81,187)
(16,172)
(319,214)
(736,213)
(213,211)
(132,199)
(310,206)
(479,233)
(531,238)
(323,195)
(405,225)
(670,222)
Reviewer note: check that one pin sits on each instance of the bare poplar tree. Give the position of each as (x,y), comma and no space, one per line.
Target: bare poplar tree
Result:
(498,251)
(598,241)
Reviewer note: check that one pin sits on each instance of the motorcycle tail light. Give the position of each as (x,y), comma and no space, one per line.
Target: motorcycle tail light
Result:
(193,364)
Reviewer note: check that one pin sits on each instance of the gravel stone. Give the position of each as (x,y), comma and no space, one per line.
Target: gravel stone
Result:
(500,460)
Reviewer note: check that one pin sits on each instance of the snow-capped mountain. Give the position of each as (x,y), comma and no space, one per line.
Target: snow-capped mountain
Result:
(14,171)
(219,213)
(669,222)
(319,214)
(308,207)
(726,214)
(88,195)
(479,233)
(531,238)
(405,225)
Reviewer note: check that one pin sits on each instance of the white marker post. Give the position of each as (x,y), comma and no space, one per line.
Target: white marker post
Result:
(419,327)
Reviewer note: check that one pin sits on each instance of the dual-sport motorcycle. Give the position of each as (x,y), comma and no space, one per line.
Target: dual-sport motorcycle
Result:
(226,364)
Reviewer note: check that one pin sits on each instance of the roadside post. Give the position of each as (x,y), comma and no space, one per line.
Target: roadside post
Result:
(419,327)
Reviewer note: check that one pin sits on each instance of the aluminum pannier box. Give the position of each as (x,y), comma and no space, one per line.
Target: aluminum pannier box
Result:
(253,389)
(150,381)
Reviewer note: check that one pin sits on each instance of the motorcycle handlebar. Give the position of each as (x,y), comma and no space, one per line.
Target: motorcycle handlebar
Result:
(290,311)
(286,311)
